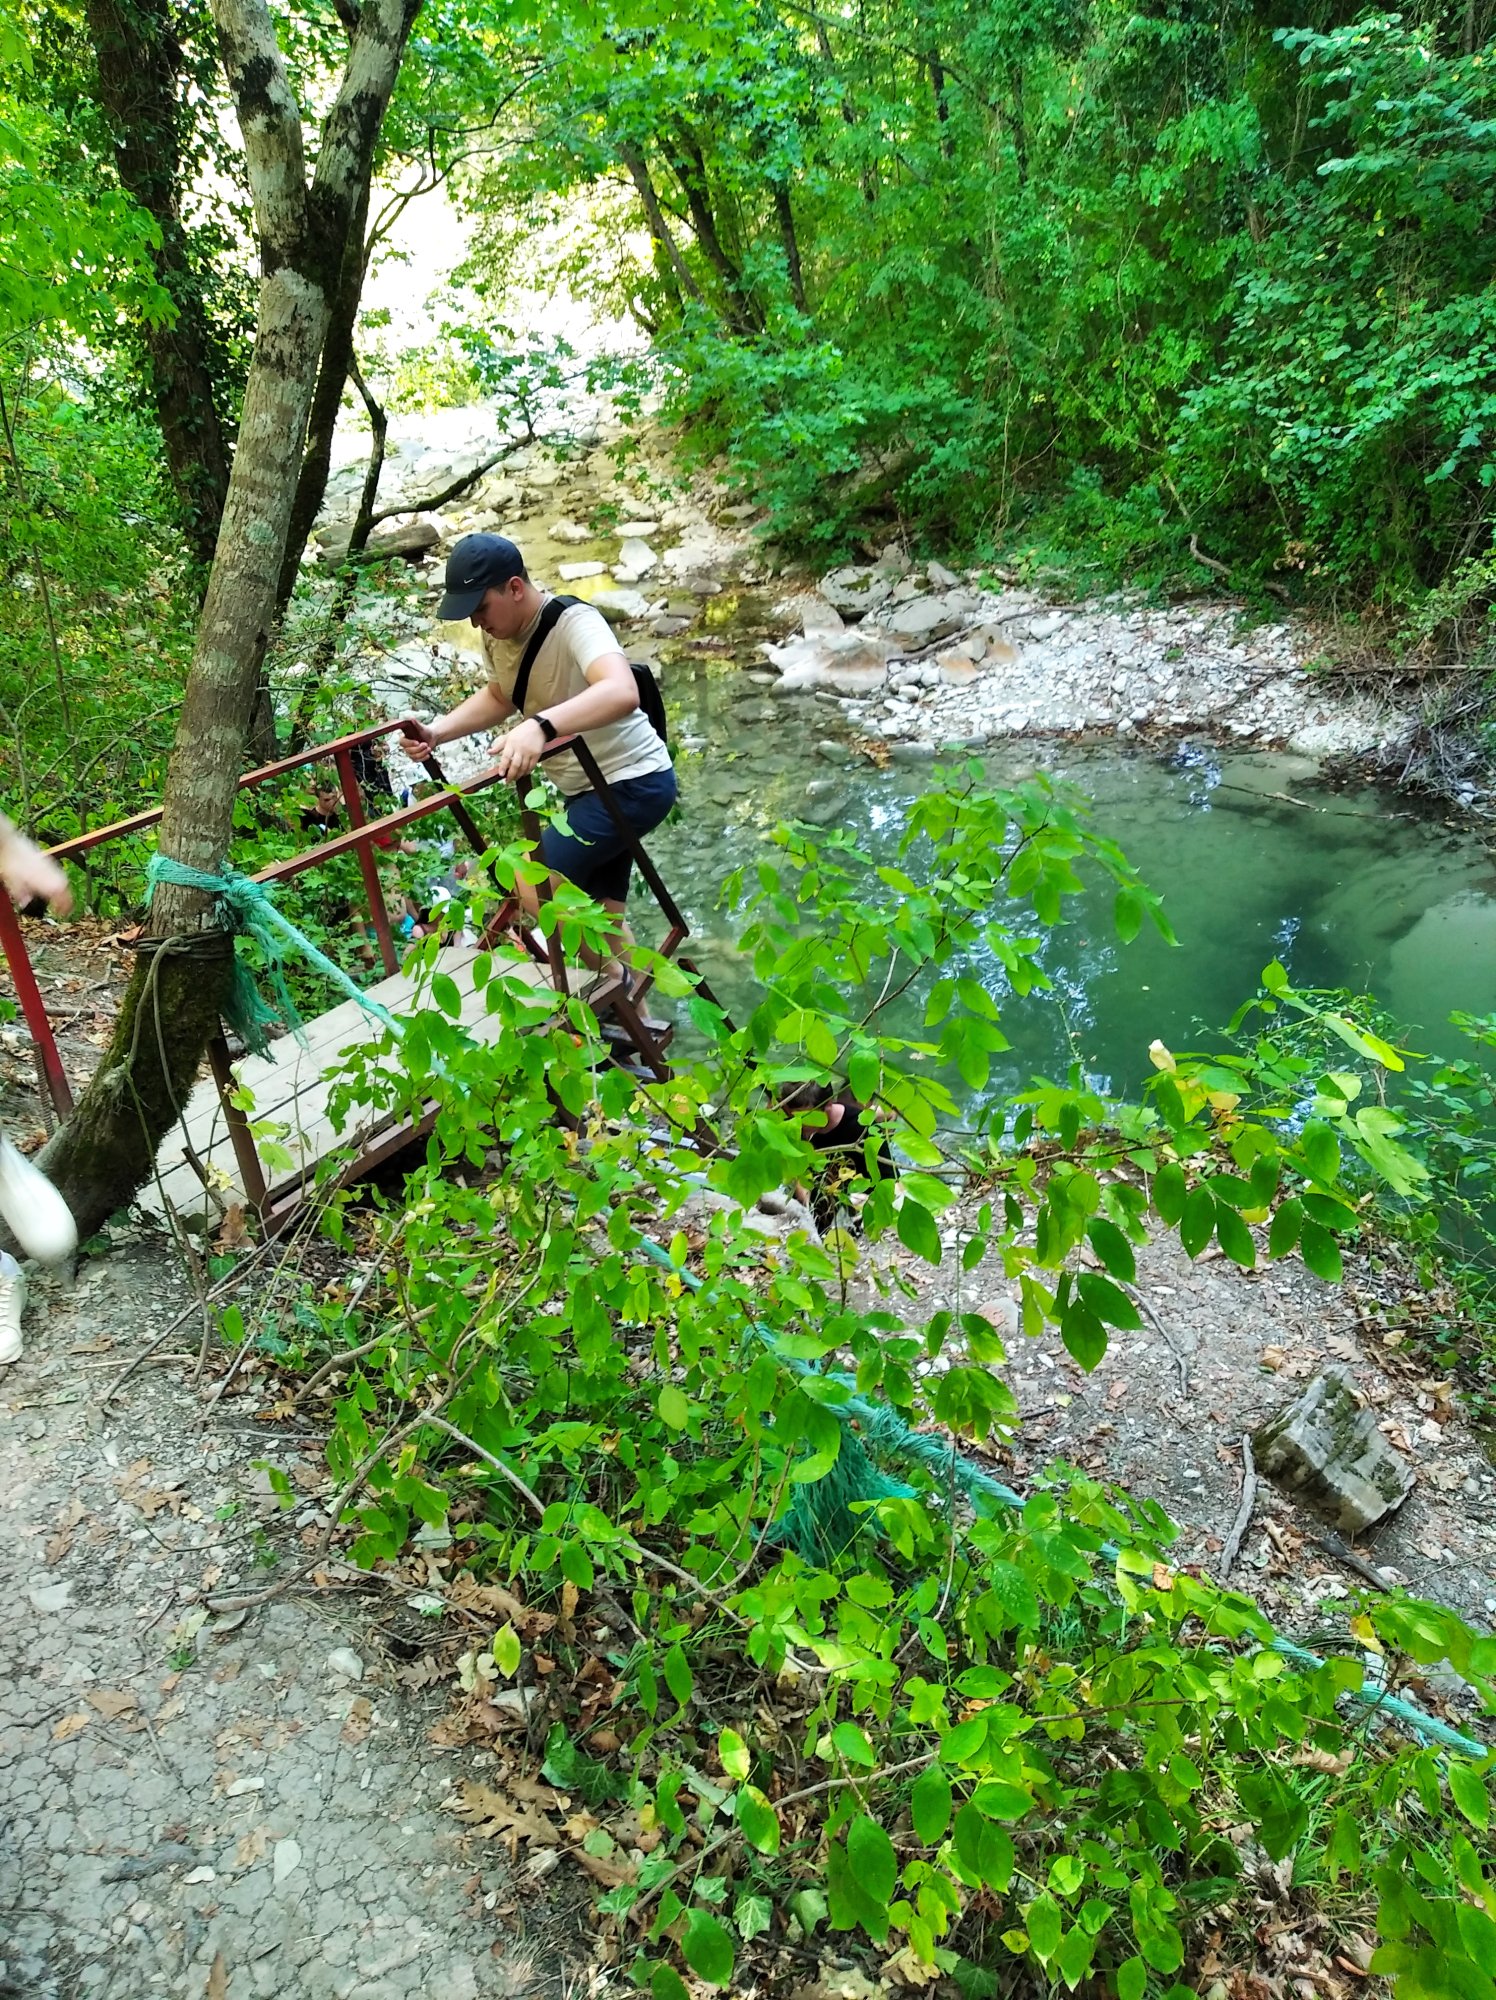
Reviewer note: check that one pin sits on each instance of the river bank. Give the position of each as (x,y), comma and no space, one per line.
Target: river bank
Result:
(906,656)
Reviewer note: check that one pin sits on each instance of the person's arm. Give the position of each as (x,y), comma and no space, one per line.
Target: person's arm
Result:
(484,710)
(29,874)
(611,694)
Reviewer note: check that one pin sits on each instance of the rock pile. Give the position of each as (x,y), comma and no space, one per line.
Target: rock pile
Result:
(926,660)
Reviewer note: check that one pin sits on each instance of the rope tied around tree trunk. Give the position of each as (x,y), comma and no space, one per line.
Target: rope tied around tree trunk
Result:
(246,908)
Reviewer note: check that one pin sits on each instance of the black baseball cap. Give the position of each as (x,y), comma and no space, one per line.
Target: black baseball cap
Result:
(476,564)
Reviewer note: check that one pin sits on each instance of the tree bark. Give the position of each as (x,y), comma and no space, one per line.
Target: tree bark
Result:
(332,379)
(667,251)
(690,170)
(302,228)
(139,61)
(791,242)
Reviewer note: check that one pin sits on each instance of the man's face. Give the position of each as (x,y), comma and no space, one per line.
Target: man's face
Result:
(501,611)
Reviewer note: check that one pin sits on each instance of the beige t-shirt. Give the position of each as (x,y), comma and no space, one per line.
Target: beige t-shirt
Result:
(626,749)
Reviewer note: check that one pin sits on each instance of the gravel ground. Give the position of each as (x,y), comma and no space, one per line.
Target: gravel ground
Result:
(246,1806)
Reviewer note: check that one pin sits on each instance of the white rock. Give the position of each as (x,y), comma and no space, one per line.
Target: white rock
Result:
(636,556)
(627,530)
(622,603)
(286,1861)
(51,1596)
(940,577)
(574,572)
(345,1664)
(572,533)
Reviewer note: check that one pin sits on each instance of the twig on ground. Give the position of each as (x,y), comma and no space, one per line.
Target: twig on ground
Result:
(1243,1513)
(1338,1552)
(1181,1359)
(224,1285)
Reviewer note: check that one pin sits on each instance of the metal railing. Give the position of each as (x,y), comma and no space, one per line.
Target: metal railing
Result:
(361,838)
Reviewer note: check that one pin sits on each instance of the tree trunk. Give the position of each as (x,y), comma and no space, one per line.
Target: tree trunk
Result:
(332,378)
(666,249)
(787,236)
(126,1110)
(690,171)
(139,59)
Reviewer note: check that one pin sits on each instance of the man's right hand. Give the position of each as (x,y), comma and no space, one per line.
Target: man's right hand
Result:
(416,739)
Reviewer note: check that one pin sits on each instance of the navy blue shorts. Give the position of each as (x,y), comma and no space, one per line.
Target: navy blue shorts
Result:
(591,851)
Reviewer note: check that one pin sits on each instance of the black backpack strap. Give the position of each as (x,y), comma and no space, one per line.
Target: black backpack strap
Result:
(546,624)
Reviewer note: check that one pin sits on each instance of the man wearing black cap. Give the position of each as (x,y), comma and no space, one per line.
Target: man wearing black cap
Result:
(579,684)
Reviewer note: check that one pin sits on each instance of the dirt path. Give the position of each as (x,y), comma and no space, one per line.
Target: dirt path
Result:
(225,1811)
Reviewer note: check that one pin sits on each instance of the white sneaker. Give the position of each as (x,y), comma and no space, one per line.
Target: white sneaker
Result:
(12,1305)
(35,1213)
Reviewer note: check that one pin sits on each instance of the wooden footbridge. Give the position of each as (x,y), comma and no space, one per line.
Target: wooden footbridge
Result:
(211,1157)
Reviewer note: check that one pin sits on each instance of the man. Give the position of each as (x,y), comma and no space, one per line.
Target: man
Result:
(580,684)
(34,1212)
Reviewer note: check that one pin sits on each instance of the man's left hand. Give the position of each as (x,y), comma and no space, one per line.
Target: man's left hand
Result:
(519,750)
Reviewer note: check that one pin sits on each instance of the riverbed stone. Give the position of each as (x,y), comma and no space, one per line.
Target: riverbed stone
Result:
(855,591)
(628,530)
(921,620)
(941,578)
(1326,1446)
(411,539)
(570,533)
(575,572)
(850,662)
(912,753)
(634,561)
(629,605)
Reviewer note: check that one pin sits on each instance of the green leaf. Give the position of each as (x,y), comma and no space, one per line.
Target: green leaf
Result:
(1043,1922)
(1169,1193)
(1321,1150)
(1083,1334)
(506,1650)
(872,1857)
(1113,1248)
(758,1819)
(707,1947)
(673,1406)
(1234,1237)
(1320,1251)
(1132,1979)
(1108,1302)
(917,1231)
(678,1675)
(1469,1793)
(1197,1224)
(444,992)
(1284,1233)
(665,1983)
(853,1744)
(733,1752)
(753,1915)
(930,1805)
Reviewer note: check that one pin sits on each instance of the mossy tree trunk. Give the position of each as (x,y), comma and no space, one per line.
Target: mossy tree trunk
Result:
(139,74)
(106,1149)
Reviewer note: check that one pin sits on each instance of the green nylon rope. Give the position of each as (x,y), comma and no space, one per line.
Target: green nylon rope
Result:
(821,1515)
(247,908)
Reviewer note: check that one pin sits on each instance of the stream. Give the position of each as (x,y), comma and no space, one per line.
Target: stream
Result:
(1350,886)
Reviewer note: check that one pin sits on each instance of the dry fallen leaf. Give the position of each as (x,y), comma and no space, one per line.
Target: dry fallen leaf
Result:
(70,1726)
(1333,1764)
(112,1703)
(1273,1358)
(360,1720)
(490,1813)
(217,1987)
(604,1868)
(253,1846)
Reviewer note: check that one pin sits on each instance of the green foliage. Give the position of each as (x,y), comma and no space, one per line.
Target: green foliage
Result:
(1071,276)
(1021,1710)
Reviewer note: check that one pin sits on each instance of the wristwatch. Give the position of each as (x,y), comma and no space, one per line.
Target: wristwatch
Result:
(547,728)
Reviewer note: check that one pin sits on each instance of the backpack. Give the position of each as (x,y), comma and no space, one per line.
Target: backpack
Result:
(651,701)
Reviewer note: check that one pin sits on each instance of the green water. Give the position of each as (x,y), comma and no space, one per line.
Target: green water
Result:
(1362,892)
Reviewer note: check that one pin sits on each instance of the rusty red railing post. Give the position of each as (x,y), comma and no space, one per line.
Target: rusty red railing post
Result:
(368,866)
(33,1007)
